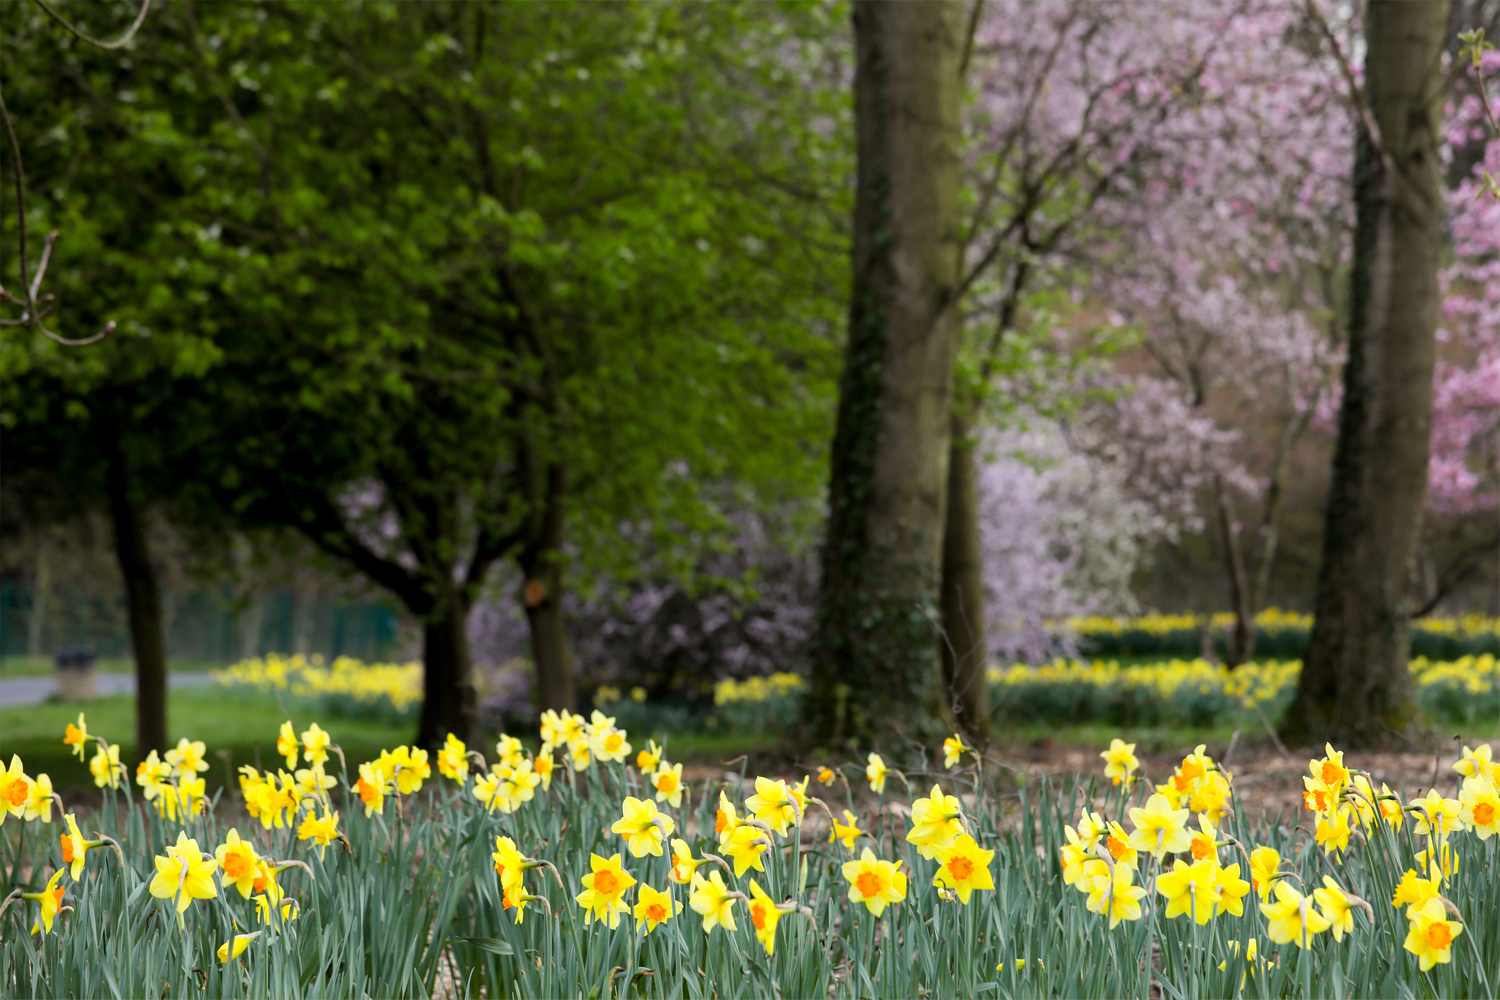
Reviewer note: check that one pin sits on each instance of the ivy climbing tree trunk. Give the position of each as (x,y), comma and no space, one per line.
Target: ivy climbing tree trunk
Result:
(874,655)
(1356,688)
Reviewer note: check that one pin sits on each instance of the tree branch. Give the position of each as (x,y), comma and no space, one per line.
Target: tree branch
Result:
(118,43)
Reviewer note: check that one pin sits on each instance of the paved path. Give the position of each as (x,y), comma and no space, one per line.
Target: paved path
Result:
(35,690)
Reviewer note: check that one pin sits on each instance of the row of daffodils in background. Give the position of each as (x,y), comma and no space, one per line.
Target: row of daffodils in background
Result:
(1199,693)
(1104,861)
(1278,634)
(529,866)
(310,678)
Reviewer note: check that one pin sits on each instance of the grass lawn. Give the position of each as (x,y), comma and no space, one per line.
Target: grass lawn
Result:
(238,729)
(42,666)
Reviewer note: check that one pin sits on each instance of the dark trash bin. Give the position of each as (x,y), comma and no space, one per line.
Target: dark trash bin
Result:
(75,676)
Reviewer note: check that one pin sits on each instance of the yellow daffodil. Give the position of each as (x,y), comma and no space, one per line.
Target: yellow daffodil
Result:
(1318,797)
(847,832)
(773,804)
(1430,934)
(1202,845)
(74,848)
(826,775)
(184,873)
(668,784)
(608,742)
(1476,763)
(648,759)
(953,749)
(509,750)
(321,831)
(1231,888)
(1437,817)
(1091,826)
(1440,862)
(412,769)
(1117,844)
(1413,890)
(936,822)
(764,915)
(372,787)
(187,757)
(76,736)
(643,827)
(1264,863)
(653,908)
(265,907)
(713,900)
(875,773)
(50,899)
(552,728)
(1120,761)
(875,882)
(1335,905)
(725,819)
(39,800)
(1391,807)
(1333,832)
(315,744)
(964,866)
(154,775)
(1159,828)
(683,862)
(1075,856)
(542,765)
(105,766)
(510,865)
(1481,805)
(1114,894)
(604,890)
(235,946)
(487,790)
(745,844)
(1291,917)
(286,744)
(1330,770)
(237,863)
(1191,889)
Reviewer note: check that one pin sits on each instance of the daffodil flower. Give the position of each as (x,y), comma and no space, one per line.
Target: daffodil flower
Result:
(765,914)
(713,900)
(1292,918)
(237,863)
(875,882)
(1191,889)
(1120,761)
(648,759)
(847,832)
(321,831)
(1430,934)
(953,749)
(937,821)
(964,866)
(1336,906)
(773,804)
(315,743)
(105,766)
(875,773)
(668,784)
(1114,894)
(653,908)
(184,873)
(50,899)
(76,736)
(1159,828)
(643,827)
(39,798)
(604,890)
(235,946)
(683,862)
(286,744)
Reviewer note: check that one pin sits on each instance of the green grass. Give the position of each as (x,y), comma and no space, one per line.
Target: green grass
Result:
(42,666)
(242,726)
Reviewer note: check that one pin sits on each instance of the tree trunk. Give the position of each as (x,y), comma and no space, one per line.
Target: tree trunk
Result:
(1241,644)
(143,604)
(540,562)
(1356,688)
(963,647)
(449,702)
(41,586)
(873,650)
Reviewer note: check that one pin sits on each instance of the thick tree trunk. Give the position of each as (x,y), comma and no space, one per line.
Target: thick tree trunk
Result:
(143,605)
(1356,688)
(963,647)
(873,651)
(541,565)
(449,702)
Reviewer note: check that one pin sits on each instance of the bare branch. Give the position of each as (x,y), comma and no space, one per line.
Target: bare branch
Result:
(118,43)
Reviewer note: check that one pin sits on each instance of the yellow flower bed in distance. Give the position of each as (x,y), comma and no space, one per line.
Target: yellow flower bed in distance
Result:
(310,677)
(579,869)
